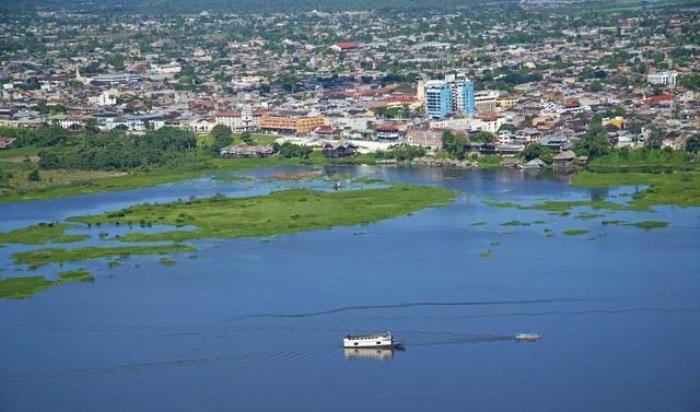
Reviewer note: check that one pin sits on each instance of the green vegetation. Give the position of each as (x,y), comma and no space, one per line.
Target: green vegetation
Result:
(167,261)
(234,179)
(680,189)
(486,254)
(588,216)
(565,206)
(622,159)
(41,257)
(24,287)
(645,224)
(515,223)
(41,233)
(277,213)
(649,224)
(576,232)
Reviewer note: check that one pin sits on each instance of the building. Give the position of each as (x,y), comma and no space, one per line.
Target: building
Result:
(291,125)
(166,69)
(425,137)
(388,132)
(438,99)
(486,101)
(237,121)
(344,46)
(663,78)
(453,95)
(338,149)
(6,142)
(462,94)
(246,151)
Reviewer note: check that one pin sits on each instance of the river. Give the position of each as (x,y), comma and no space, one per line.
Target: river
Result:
(257,324)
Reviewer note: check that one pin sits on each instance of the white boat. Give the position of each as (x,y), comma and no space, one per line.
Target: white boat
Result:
(379,340)
(527,337)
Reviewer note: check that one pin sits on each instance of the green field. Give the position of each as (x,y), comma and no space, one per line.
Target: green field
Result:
(274,214)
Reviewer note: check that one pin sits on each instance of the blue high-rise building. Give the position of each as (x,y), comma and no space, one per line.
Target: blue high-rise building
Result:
(469,104)
(454,95)
(438,99)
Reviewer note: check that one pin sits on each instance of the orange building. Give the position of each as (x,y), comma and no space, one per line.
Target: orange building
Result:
(287,125)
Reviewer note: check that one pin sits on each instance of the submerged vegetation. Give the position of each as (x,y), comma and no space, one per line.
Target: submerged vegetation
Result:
(277,213)
(41,257)
(679,189)
(24,287)
(41,233)
(576,232)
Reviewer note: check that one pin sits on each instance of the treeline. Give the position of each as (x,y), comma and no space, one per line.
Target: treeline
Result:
(43,136)
(115,151)
(241,6)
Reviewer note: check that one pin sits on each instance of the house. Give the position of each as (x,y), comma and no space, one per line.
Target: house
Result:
(557,142)
(564,160)
(425,137)
(338,149)
(344,46)
(388,132)
(6,142)
(535,164)
(246,151)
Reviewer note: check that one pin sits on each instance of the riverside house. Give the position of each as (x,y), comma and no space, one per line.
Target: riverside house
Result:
(246,151)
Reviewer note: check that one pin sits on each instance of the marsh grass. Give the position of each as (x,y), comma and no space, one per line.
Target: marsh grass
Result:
(24,287)
(576,232)
(40,234)
(277,213)
(41,257)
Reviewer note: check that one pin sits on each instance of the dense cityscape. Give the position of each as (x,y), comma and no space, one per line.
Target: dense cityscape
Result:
(502,78)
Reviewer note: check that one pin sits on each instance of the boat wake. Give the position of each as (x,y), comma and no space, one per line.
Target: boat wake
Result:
(406,305)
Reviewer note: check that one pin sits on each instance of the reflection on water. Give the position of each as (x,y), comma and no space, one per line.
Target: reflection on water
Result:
(369,353)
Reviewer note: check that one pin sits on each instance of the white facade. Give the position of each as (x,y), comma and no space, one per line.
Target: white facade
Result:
(663,78)
(237,121)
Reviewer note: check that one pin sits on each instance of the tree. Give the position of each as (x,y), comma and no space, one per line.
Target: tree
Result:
(596,86)
(247,138)
(693,143)
(456,146)
(509,127)
(483,137)
(221,137)
(34,176)
(595,142)
(535,151)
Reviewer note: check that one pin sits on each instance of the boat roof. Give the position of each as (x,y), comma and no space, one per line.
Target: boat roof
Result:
(376,335)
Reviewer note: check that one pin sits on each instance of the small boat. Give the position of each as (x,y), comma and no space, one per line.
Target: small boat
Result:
(527,337)
(379,340)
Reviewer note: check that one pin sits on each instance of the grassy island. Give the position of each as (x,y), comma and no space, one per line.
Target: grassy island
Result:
(41,233)
(41,257)
(278,213)
(24,287)
(680,188)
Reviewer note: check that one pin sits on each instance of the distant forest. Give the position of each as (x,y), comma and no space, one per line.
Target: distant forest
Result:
(233,6)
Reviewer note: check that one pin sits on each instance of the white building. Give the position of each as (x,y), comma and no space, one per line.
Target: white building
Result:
(237,121)
(663,78)
(106,98)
